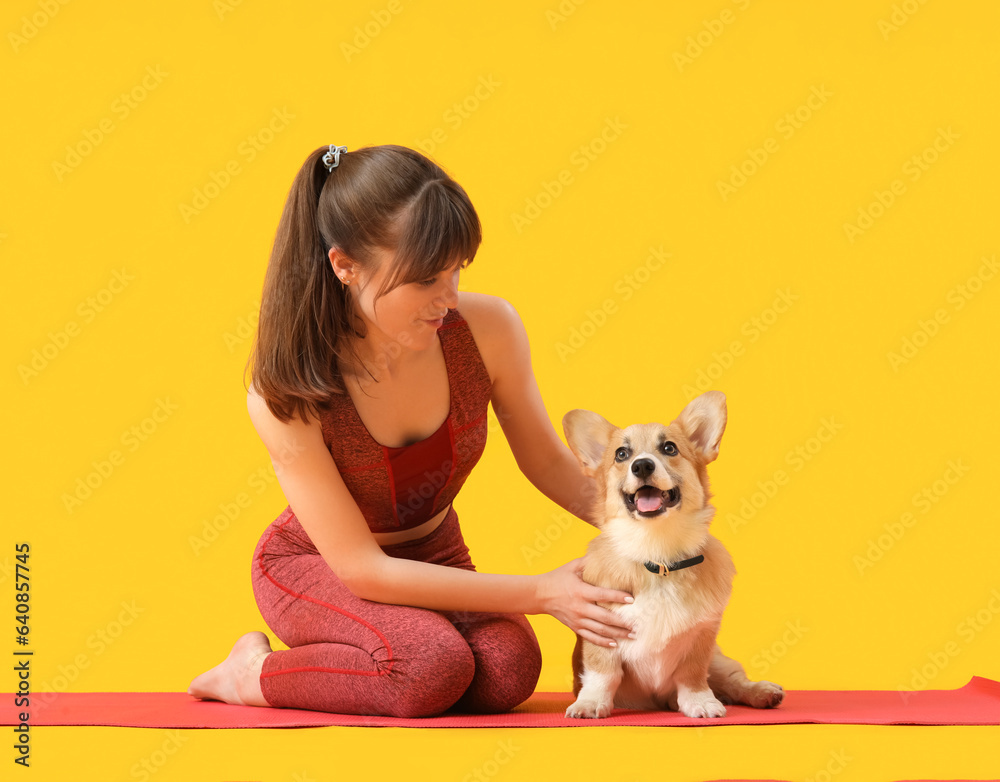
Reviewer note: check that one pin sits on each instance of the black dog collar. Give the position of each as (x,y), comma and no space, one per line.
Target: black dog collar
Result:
(661,569)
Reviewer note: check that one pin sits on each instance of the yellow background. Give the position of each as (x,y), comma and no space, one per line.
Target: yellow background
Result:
(886,79)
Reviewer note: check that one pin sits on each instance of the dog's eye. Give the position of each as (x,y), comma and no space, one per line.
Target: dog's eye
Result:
(621,454)
(669,448)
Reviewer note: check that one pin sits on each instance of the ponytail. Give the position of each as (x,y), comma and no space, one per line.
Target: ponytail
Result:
(387,197)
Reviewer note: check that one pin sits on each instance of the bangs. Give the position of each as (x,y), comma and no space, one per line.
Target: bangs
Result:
(438,229)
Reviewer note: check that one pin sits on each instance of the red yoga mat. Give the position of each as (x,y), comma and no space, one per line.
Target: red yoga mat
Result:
(977,703)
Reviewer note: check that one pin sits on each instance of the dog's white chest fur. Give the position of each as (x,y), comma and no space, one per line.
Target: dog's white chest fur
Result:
(663,617)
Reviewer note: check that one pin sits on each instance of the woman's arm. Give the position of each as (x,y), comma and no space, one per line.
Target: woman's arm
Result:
(559,477)
(334,522)
(543,458)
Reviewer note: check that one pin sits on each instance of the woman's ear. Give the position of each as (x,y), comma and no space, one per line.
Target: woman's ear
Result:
(343,266)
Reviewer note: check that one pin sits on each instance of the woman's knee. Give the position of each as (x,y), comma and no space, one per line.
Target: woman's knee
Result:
(434,671)
(509,640)
(508,664)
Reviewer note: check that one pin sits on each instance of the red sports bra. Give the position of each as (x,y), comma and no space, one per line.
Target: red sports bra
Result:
(400,488)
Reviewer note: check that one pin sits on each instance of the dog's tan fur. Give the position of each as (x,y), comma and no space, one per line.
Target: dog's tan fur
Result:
(674,662)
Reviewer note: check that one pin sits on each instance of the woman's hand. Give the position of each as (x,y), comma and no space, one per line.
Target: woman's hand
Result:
(571,600)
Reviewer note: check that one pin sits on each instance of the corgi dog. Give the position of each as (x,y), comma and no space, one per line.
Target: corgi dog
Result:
(653,513)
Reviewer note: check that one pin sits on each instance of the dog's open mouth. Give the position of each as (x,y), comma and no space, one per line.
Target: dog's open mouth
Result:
(650,501)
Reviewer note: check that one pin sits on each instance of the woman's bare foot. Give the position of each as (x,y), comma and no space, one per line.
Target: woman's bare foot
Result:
(237,678)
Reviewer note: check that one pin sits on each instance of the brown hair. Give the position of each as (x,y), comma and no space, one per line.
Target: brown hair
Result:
(383,197)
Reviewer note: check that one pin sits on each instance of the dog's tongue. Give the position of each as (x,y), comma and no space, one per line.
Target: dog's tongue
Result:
(648,499)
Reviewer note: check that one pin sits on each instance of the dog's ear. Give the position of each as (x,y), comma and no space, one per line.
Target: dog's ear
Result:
(588,435)
(704,421)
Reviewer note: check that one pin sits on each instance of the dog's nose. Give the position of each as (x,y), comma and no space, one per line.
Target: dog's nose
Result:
(643,468)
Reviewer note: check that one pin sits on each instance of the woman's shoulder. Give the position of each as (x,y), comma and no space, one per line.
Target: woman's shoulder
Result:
(496,328)
(486,313)
(272,430)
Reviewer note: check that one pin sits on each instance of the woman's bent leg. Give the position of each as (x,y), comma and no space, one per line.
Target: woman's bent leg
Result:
(507,657)
(349,655)
(508,660)
(355,656)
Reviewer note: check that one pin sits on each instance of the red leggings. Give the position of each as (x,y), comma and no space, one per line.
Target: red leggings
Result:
(353,656)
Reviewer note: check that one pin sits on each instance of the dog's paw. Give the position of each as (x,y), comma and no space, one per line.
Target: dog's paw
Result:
(589,710)
(699,706)
(765,694)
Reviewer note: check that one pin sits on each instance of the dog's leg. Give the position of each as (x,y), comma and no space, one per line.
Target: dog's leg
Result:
(694,696)
(602,673)
(577,665)
(729,682)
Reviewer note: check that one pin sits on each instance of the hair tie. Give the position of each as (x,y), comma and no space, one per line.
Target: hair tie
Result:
(332,158)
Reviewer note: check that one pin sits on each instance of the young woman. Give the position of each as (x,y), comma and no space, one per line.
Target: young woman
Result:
(371,378)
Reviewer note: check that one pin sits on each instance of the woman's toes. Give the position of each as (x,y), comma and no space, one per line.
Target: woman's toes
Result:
(236,679)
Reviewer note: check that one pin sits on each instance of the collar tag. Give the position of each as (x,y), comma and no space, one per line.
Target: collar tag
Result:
(661,569)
